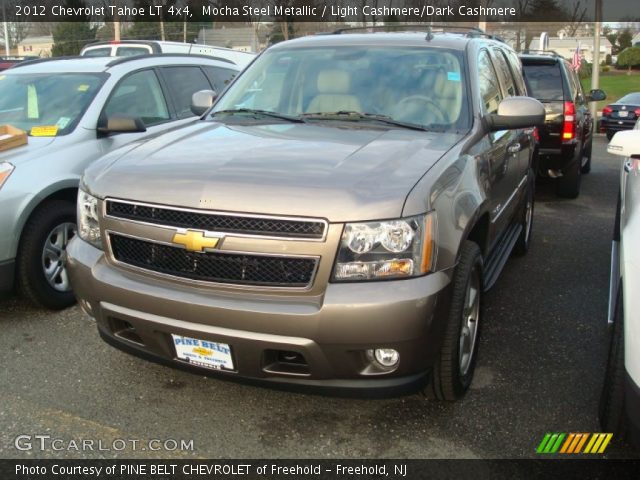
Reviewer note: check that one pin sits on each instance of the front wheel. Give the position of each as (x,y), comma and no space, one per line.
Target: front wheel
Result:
(586,158)
(42,273)
(524,240)
(612,408)
(454,367)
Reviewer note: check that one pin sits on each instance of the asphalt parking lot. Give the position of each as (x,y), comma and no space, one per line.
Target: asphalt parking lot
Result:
(541,365)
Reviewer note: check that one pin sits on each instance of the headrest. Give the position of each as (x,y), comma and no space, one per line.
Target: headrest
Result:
(334,81)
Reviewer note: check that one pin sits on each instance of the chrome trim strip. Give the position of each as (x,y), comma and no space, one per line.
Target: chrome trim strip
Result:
(186,280)
(228,214)
(510,199)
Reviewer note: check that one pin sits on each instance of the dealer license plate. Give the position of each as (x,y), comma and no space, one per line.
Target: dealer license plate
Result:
(203,353)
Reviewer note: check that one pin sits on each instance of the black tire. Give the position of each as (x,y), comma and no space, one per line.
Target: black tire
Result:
(610,134)
(568,185)
(31,280)
(524,240)
(612,408)
(586,168)
(449,382)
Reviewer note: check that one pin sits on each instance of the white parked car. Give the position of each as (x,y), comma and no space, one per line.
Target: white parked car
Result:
(127,48)
(620,402)
(74,111)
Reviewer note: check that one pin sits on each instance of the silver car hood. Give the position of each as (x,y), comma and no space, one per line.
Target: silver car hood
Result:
(316,170)
(30,151)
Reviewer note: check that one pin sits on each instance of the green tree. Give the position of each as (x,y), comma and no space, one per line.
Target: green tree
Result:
(624,39)
(629,58)
(70,37)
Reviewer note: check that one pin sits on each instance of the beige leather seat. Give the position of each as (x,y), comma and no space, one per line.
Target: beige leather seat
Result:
(448,94)
(334,87)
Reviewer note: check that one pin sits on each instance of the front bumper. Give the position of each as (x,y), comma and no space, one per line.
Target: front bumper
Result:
(331,331)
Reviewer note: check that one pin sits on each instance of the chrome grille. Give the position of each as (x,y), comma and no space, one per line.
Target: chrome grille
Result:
(218,267)
(219,222)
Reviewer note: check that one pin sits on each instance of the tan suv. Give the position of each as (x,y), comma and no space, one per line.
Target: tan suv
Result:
(331,222)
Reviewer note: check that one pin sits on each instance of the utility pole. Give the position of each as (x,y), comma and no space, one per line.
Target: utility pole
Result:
(7,48)
(595,70)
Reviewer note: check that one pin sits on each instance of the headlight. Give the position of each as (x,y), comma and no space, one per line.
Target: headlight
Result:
(5,170)
(88,227)
(388,249)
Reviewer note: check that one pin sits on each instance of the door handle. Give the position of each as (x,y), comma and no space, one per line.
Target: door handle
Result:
(514,148)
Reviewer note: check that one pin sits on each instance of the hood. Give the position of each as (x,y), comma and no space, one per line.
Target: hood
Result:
(315,170)
(26,152)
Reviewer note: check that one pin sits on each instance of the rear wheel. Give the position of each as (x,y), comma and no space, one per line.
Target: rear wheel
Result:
(610,134)
(454,367)
(568,185)
(41,269)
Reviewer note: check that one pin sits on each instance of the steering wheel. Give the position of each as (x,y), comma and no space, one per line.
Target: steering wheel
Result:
(431,109)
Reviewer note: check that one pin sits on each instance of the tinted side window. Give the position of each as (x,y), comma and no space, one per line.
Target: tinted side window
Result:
(132,51)
(183,82)
(544,81)
(516,68)
(220,77)
(139,95)
(98,52)
(489,87)
(504,72)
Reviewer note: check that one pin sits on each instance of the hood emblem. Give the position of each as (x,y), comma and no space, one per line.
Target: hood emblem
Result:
(196,240)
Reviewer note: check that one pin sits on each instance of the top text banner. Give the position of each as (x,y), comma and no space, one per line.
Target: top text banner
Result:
(371,11)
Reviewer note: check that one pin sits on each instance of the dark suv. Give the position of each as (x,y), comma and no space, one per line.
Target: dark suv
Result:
(566,136)
(333,220)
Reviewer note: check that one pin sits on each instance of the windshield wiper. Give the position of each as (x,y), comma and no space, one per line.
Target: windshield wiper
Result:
(357,116)
(264,113)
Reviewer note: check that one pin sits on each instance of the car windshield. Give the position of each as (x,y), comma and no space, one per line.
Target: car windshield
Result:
(630,99)
(46,104)
(414,86)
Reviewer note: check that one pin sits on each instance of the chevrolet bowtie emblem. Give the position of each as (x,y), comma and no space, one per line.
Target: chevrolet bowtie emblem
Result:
(195,240)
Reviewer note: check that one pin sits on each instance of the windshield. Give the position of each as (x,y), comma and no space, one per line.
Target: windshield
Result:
(630,99)
(45,104)
(414,85)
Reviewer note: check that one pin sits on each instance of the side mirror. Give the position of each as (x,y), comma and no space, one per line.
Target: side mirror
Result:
(596,95)
(516,112)
(120,124)
(202,101)
(625,144)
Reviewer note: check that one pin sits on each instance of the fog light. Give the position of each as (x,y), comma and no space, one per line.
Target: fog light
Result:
(387,357)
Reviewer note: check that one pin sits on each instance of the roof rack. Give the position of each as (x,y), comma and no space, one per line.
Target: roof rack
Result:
(42,60)
(428,29)
(121,60)
(532,51)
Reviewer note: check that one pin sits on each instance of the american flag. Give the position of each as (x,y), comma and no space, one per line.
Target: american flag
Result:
(576,62)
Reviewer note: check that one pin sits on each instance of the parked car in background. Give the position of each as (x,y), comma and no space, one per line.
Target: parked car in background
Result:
(333,221)
(621,115)
(620,401)
(76,110)
(566,136)
(125,48)
(8,62)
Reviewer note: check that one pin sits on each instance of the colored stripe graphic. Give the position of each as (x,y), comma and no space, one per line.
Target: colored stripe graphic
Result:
(550,443)
(572,443)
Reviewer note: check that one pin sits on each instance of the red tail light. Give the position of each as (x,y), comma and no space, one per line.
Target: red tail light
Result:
(569,126)
(637,112)
(606,111)
(536,134)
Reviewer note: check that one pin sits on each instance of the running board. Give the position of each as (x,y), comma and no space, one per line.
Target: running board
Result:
(499,256)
